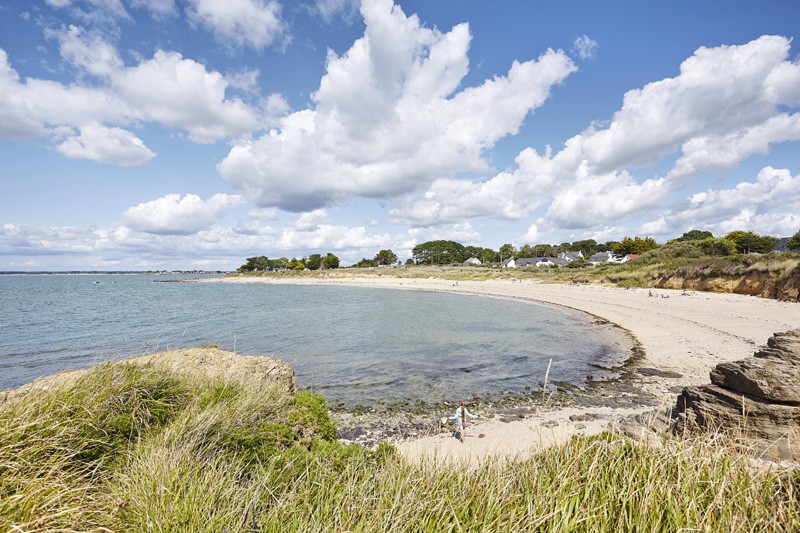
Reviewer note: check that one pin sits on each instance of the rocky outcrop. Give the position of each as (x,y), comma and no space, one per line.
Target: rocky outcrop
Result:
(209,362)
(757,399)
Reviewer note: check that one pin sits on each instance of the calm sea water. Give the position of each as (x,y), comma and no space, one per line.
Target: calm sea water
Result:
(352,344)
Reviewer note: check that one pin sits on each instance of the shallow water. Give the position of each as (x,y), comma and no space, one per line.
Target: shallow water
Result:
(355,345)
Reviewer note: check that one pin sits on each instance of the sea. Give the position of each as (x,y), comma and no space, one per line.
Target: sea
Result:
(355,345)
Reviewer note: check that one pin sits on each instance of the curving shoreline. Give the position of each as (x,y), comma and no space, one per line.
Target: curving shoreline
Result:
(680,334)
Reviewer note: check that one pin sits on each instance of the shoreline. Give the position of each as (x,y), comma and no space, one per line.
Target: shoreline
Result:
(681,338)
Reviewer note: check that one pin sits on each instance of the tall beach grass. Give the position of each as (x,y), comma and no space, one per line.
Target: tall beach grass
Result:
(134,448)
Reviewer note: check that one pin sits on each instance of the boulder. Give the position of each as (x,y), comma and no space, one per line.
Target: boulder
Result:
(756,399)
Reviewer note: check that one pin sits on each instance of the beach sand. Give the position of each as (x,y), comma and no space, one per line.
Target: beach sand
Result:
(685,334)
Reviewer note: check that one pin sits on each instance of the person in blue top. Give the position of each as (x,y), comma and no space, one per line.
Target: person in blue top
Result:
(462,413)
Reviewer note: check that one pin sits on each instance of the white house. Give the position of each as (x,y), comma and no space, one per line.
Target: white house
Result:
(571,256)
(601,257)
(472,261)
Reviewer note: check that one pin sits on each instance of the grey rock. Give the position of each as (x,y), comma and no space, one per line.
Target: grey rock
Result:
(756,400)
(773,380)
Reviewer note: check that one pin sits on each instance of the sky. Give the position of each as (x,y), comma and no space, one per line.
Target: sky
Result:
(192,134)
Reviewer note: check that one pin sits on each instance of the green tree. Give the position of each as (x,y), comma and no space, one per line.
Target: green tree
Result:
(794,242)
(718,247)
(409,262)
(294,264)
(637,245)
(255,263)
(507,251)
(750,242)
(366,263)
(330,261)
(385,257)
(543,250)
(439,253)
(587,247)
(695,235)
(314,262)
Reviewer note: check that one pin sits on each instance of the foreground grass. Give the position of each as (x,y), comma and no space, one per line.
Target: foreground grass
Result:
(129,448)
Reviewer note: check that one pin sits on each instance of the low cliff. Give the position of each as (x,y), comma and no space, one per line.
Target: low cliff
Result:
(779,280)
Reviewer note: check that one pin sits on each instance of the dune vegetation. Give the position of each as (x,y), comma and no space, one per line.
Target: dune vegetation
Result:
(136,448)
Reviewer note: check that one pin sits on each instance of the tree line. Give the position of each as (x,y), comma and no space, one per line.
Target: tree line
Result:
(445,252)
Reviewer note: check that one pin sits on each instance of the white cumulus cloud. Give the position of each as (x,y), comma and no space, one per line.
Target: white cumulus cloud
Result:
(106,145)
(174,214)
(389,117)
(251,23)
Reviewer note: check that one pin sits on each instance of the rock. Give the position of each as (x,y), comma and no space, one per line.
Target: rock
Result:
(755,399)
(769,380)
(659,373)
(783,346)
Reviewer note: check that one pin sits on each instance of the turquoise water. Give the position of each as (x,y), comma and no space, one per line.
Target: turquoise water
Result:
(356,345)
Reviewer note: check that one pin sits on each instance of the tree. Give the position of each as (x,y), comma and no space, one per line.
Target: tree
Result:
(409,262)
(749,242)
(314,262)
(367,263)
(637,245)
(385,257)
(695,235)
(255,263)
(294,264)
(586,247)
(543,250)
(439,253)
(330,261)
(507,251)
(718,247)
(794,242)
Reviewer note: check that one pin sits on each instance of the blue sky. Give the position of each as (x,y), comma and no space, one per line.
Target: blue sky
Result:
(149,134)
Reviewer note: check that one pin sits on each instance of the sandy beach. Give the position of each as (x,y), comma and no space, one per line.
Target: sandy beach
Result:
(684,334)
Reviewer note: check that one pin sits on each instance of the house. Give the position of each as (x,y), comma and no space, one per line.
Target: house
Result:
(601,257)
(571,256)
(526,262)
(472,261)
(551,261)
(510,263)
(781,246)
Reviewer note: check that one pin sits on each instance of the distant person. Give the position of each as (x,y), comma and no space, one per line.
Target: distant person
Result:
(461,418)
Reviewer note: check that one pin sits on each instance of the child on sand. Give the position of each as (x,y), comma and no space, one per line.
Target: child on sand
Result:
(461,418)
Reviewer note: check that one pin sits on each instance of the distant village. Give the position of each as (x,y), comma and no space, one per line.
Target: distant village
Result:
(584,253)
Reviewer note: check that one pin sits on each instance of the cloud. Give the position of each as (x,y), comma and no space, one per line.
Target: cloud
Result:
(770,204)
(176,215)
(719,91)
(106,145)
(252,23)
(167,89)
(329,9)
(585,47)
(726,104)
(390,116)
(158,8)
(181,93)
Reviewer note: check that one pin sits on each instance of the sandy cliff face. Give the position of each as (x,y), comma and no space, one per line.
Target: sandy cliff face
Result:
(780,285)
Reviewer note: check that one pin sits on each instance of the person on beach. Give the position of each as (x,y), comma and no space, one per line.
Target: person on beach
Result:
(461,418)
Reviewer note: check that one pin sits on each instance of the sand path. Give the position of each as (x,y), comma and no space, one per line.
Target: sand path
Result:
(688,334)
